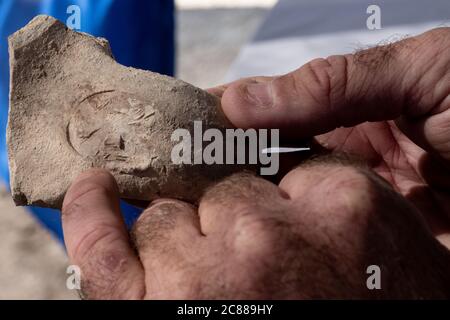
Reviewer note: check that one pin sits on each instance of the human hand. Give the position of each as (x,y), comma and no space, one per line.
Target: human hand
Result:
(389,105)
(251,239)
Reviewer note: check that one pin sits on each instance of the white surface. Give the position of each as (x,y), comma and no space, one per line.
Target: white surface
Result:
(208,41)
(198,4)
(283,55)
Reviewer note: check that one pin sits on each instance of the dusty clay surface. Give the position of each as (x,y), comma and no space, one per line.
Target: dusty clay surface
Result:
(72,107)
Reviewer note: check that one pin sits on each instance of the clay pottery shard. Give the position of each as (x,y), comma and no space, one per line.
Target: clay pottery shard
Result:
(73,107)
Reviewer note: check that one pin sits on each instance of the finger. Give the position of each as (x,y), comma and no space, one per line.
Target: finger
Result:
(431,133)
(408,78)
(97,240)
(168,238)
(219,90)
(339,171)
(165,232)
(237,196)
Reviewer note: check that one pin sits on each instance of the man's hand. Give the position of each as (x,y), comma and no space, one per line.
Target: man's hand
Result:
(389,105)
(315,234)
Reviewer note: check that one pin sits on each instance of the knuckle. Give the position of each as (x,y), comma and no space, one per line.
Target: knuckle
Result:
(341,87)
(320,76)
(238,187)
(349,191)
(255,235)
(311,80)
(336,75)
(152,227)
(349,200)
(321,83)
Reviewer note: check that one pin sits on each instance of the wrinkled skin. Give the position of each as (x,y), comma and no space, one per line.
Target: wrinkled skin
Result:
(315,233)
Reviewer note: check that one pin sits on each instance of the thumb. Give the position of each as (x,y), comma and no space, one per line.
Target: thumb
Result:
(97,240)
(408,78)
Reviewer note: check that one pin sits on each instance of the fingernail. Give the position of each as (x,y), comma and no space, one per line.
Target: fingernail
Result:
(260,94)
(161,200)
